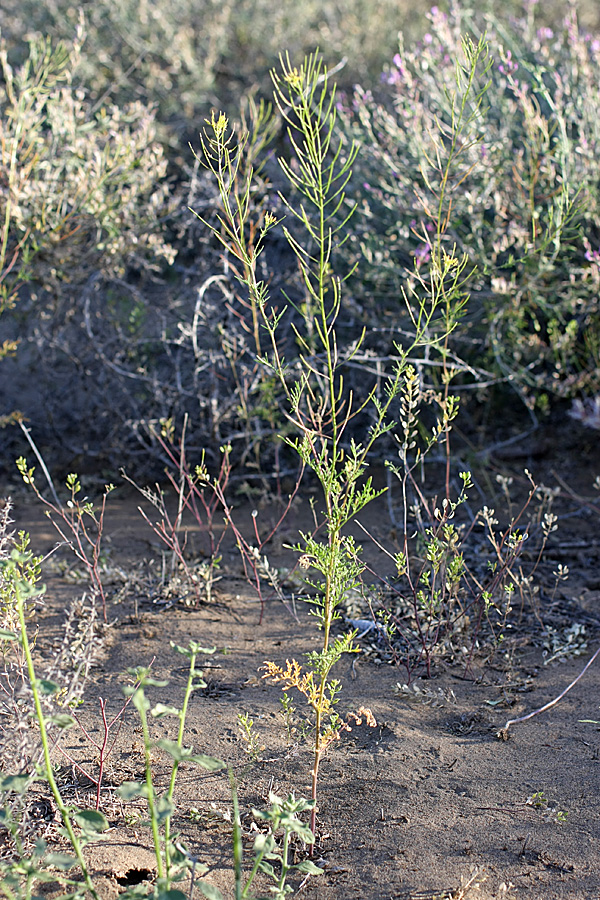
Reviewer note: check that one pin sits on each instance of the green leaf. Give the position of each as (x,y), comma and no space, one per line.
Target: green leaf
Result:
(61,861)
(142,674)
(267,868)
(16,783)
(308,868)
(154,682)
(186,754)
(134,892)
(161,710)
(8,635)
(164,809)
(40,875)
(40,848)
(129,790)
(171,894)
(210,763)
(210,891)
(140,701)
(303,831)
(91,821)
(174,750)
(61,720)
(47,687)
(264,843)
(192,649)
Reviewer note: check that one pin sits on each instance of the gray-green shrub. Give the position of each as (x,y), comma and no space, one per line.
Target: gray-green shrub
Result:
(186,55)
(527,211)
(83,189)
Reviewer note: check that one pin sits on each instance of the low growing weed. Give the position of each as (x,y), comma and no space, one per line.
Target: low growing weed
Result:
(79,826)
(28,869)
(201,496)
(281,815)
(463,581)
(79,524)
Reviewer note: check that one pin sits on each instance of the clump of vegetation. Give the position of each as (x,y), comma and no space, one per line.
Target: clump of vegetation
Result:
(473,218)
(321,409)
(77,522)
(77,205)
(524,210)
(191,54)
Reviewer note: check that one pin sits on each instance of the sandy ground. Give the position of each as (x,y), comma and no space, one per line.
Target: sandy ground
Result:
(427,803)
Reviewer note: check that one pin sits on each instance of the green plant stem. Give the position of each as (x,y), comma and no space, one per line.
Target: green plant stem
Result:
(150,790)
(182,716)
(46,746)
(284,858)
(237,841)
(257,861)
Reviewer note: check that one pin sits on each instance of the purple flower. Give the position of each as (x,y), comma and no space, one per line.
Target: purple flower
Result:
(394,75)
(509,64)
(391,77)
(427,38)
(422,254)
(593,255)
(397,60)
(434,14)
(545,34)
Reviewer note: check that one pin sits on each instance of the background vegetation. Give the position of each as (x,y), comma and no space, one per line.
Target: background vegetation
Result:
(127,311)
(319,281)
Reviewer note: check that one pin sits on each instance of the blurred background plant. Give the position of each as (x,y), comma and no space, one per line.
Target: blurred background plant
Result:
(130,312)
(82,194)
(188,55)
(525,211)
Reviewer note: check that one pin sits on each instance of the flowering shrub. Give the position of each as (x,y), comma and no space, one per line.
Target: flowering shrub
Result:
(525,210)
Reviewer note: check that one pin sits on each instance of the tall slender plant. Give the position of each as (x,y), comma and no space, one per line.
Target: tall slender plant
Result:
(320,408)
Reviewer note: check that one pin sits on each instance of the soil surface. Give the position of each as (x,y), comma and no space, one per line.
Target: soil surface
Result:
(427,803)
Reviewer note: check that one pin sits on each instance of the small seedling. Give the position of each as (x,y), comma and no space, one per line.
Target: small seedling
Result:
(281,815)
(538,800)
(78,522)
(104,748)
(250,737)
